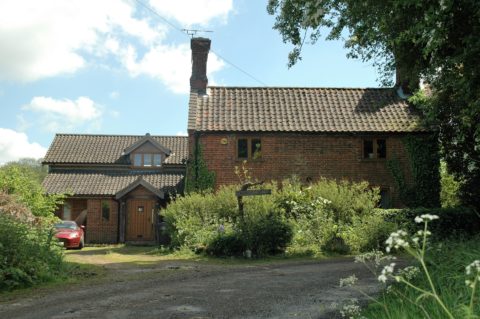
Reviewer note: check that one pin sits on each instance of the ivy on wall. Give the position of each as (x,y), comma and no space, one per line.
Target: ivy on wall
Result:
(424,158)
(199,178)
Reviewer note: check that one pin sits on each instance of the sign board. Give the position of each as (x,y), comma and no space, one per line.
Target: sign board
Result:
(253,192)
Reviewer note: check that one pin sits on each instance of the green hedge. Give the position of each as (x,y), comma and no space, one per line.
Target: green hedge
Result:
(455,221)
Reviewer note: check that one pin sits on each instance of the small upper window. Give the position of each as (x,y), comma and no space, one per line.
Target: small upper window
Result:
(242,148)
(256,148)
(368,149)
(147,159)
(137,160)
(157,160)
(249,148)
(375,148)
(381,148)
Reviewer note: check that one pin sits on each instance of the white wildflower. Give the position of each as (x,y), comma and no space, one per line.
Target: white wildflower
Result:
(382,278)
(421,233)
(351,309)
(349,281)
(425,218)
(387,271)
(473,270)
(473,267)
(409,272)
(397,240)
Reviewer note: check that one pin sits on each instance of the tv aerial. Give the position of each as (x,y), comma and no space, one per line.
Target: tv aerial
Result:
(193,32)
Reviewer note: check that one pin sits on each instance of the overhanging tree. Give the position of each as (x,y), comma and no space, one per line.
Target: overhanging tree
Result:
(437,41)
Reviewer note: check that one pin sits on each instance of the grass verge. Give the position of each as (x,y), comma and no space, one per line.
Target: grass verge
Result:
(74,273)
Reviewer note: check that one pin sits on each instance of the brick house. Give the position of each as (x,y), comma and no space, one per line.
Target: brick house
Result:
(337,133)
(118,183)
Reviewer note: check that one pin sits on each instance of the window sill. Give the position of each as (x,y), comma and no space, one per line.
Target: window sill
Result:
(373,160)
(249,160)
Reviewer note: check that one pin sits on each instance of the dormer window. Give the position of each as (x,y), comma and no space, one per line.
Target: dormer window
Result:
(137,160)
(147,152)
(147,160)
(157,159)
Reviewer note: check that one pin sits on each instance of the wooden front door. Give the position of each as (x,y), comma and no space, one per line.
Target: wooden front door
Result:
(140,220)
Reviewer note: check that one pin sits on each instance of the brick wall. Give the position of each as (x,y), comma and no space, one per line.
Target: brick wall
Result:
(76,207)
(308,156)
(98,229)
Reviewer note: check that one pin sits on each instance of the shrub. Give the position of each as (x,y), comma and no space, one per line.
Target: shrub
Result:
(194,219)
(28,252)
(327,216)
(453,222)
(230,244)
(449,188)
(368,232)
(267,235)
(333,216)
(18,181)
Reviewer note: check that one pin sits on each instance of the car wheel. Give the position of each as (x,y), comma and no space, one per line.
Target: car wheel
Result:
(81,244)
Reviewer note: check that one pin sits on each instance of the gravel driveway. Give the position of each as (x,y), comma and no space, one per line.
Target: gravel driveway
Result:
(287,289)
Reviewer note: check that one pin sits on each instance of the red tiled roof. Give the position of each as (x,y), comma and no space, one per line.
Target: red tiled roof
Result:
(301,110)
(104,183)
(107,149)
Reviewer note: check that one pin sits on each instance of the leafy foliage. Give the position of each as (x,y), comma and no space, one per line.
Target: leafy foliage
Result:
(455,222)
(30,167)
(326,216)
(450,188)
(333,216)
(199,178)
(28,252)
(436,41)
(23,183)
(424,165)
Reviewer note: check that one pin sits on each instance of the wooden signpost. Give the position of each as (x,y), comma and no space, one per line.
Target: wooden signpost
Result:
(244,191)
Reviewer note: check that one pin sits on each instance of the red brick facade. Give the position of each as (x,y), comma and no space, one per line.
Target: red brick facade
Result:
(308,156)
(100,229)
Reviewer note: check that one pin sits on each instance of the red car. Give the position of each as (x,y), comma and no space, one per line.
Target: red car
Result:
(70,234)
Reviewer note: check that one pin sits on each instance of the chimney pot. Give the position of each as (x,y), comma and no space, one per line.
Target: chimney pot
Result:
(199,81)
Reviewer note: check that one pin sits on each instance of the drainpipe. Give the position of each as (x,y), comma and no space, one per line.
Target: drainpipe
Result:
(196,153)
(119,215)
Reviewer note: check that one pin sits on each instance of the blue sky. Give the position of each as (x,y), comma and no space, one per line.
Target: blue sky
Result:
(114,67)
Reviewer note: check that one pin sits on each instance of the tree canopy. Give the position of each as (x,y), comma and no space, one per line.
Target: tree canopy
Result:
(437,41)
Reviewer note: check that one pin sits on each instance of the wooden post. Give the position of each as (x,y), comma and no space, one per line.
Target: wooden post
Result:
(245,192)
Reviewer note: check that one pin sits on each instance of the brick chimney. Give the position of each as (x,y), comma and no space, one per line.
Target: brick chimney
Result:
(199,80)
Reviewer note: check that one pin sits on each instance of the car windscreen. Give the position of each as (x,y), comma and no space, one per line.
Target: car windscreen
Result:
(66,225)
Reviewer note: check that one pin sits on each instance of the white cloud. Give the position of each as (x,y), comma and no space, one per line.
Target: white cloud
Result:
(15,145)
(41,39)
(189,12)
(170,64)
(181,133)
(55,115)
(46,38)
